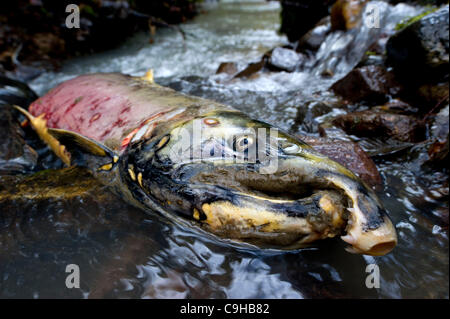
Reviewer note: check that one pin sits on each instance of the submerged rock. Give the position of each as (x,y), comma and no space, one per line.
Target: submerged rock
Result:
(54,205)
(420,51)
(371,83)
(375,123)
(348,154)
(15,155)
(346,14)
(50,185)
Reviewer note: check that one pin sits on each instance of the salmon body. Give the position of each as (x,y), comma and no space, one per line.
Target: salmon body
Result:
(107,107)
(208,164)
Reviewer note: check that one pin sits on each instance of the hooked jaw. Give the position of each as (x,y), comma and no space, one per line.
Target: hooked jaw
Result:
(273,222)
(377,242)
(369,230)
(306,199)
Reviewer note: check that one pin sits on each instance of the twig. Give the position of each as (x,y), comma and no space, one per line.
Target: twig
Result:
(158,22)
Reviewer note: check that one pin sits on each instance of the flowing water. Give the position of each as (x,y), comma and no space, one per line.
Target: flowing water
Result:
(123,252)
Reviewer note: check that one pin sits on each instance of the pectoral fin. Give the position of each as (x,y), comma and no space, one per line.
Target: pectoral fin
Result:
(72,148)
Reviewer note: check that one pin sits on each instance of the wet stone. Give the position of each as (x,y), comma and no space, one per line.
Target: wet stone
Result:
(315,37)
(420,51)
(15,155)
(372,84)
(62,184)
(432,94)
(348,154)
(299,16)
(438,151)
(251,69)
(374,123)
(346,14)
(398,106)
(56,194)
(284,59)
(227,67)
(371,58)
(440,127)
(15,92)
(310,114)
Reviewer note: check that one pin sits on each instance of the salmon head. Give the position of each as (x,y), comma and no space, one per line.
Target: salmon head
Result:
(246,180)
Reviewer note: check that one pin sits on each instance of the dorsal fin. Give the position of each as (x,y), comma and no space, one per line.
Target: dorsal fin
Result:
(148,77)
(72,148)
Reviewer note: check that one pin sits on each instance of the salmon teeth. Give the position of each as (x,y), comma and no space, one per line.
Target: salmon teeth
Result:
(349,239)
(132,174)
(352,250)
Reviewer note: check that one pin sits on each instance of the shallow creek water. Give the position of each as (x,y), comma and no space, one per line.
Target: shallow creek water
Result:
(123,252)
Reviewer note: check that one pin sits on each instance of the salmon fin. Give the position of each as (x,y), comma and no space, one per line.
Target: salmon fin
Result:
(80,145)
(148,77)
(39,124)
(72,148)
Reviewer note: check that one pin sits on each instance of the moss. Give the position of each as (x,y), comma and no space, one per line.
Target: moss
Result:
(85,8)
(408,21)
(63,183)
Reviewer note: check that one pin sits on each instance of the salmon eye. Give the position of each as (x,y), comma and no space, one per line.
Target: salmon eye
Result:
(242,143)
(211,121)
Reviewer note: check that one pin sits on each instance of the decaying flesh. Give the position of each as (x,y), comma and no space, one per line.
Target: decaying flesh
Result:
(126,130)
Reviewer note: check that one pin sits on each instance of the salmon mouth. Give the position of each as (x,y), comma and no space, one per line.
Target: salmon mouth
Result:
(308,198)
(277,223)
(299,204)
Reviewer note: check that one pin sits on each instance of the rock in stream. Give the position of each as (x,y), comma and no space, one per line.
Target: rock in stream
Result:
(15,155)
(421,50)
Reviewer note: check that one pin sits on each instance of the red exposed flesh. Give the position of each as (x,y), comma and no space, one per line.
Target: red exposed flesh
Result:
(103,107)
